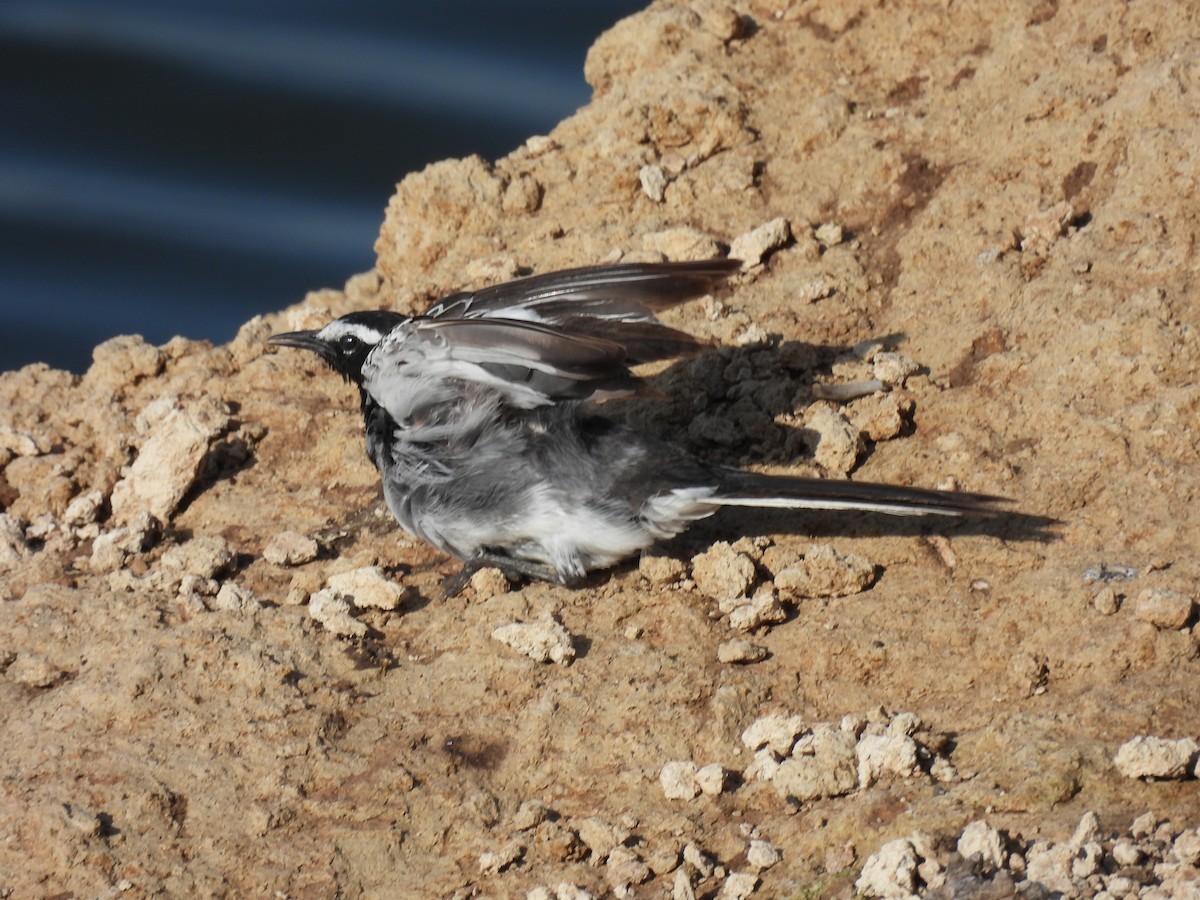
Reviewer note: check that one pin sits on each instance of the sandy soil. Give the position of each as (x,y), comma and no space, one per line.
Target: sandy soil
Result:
(1016,189)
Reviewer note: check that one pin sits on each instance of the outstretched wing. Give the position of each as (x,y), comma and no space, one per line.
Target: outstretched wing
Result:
(614,303)
(426,362)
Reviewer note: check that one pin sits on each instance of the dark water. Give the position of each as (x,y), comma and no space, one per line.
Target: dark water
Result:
(174,168)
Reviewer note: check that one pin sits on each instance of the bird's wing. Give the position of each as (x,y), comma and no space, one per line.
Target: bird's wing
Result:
(425,362)
(632,292)
(614,304)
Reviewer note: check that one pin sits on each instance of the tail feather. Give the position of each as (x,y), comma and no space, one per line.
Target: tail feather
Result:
(788,492)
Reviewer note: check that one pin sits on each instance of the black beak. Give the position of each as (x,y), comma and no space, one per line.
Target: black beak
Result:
(302,340)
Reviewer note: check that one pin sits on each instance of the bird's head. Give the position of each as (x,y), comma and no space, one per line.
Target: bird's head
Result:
(345,342)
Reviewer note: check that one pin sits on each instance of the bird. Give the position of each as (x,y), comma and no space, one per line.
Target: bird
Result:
(486,421)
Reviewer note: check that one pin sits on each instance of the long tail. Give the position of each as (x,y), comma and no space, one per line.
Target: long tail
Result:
(787,492)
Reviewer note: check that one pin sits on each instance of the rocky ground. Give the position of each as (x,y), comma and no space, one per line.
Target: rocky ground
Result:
(226,673)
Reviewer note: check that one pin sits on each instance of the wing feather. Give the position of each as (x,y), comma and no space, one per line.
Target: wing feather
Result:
(631,292)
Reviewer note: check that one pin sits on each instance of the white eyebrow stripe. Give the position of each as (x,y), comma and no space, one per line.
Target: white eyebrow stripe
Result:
(338,328)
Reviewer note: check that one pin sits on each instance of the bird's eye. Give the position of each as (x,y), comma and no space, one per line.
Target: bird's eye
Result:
(348,343)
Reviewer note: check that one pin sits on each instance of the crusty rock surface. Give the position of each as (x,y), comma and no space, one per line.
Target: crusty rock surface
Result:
(998,221)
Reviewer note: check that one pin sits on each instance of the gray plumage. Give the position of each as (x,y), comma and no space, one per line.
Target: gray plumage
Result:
(477,418)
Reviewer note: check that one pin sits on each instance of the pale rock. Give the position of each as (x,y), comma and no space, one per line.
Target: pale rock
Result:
(719,19)
(24,443)
(202,557)
(625,868)
(112,549)
(980,839)
(654,182)
(523,194)
(895,754)
(1087,831)
(893,369)
(234,598)
(1187,848)
(663,858)
(169,461)
(722,573)
(1144,825)
(333,612)
(530,814)
(776,732)
(290,548)
(678,780)
(822,764)
(1125,852)
(1042,229)
(740,651)
(738,886)
(762,767)
(567,891)
(835,444)
(823,572)
(489,582)
(1155,757)
(544,641)
(711,779)
(540,145)
(493,862)
(1162,608)
(1050,866)
(879,416)
(754,245)
(698,860)
(682,888)
(193,587)
(13,548)
(84,509)
(761,855)
(829,234)
(1087,861)
(813,290)
(599,837)
(889,872)
(661,570)
(34,671)
(367,586)
(1106,602)
(760,610)
(904,723)
(122,360)
(853,724)
(943,771)
(682,243)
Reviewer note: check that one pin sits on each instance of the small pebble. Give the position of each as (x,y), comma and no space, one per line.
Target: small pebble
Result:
(738,886)
(368,586)
(333,612)
(290,548)
(752,246)
(1155,757)
(678,780)
(711,779)
(489,582)
(722,573)
(829,234)
(762,855)
(654,182)
(1162,608)
(1105,601)
(545,641)
(740,650)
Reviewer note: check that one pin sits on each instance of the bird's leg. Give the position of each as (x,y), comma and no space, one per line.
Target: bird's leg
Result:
(512,568)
